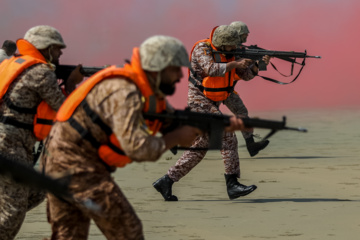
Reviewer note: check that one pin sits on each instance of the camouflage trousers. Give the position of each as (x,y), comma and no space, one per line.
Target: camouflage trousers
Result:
(115,218)
(237,107)
(190,159)
(15,201)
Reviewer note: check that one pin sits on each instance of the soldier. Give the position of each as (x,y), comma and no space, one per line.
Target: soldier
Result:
(242,30)
(211,82)
(234,102)
(101,127)
(29,93)
(7,50)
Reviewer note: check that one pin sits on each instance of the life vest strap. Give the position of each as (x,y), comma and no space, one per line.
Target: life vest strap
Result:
(227,89)
(85,134)
(14,122)
(11,105)
(116,149)
(95,118)
(202,88)
(44,121)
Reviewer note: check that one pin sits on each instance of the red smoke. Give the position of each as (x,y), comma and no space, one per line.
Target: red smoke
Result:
(104,32)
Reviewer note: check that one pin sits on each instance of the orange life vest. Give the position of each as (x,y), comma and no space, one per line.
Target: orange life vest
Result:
(216,88)
(111,153)
(10,69)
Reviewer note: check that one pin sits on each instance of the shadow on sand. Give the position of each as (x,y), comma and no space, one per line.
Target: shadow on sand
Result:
(275,200)
(299,200)
(293,157)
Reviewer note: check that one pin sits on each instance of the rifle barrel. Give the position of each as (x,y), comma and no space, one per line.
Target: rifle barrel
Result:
(299,129)
(260,52)
(313,56)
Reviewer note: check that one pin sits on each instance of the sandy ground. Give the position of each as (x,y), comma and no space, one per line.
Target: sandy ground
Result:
(308,188)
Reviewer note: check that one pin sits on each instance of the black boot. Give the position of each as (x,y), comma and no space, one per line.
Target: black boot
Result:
(235,189)
(255,147)
(163,185)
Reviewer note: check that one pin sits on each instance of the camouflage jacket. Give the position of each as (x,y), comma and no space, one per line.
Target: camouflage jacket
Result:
(3,55)
(119,104)
(35,84)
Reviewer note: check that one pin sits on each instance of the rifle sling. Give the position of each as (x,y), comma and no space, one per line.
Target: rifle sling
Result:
(284,83)
(84,133)
(284,75)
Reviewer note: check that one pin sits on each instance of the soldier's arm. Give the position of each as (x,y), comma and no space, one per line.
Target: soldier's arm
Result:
(46,86)
(121,108)
(202,56)
(247,73)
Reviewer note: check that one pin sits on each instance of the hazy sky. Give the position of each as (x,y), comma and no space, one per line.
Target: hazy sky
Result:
(104,32)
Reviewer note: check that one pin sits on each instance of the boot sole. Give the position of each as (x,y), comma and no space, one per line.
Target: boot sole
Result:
(243,194)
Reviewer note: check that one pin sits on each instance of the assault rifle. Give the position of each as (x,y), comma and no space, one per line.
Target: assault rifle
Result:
(288,59)
(63,71)
(214,124)
(256,53)
(27,176)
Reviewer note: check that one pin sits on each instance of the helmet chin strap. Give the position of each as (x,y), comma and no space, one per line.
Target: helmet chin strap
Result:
(158,80)
(157,84)
(50,56)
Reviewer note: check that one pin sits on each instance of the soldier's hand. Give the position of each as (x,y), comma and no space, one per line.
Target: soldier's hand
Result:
(75,78)
(243,63)
(183,136)
(266,59)
(187,135)
(235,124)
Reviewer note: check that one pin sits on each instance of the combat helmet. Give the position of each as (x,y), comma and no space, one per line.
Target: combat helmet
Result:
(43,36)
(159,52)
(224,35)
(241,27)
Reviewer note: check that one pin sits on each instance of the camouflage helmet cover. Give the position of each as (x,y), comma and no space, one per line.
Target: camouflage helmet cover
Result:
(43,36)
(159,52)
(224,35)
(241,27)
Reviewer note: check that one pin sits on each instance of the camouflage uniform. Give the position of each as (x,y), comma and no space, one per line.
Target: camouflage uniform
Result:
(3,55)
(35,84)
(116,101)
(237,107)
(203,65)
